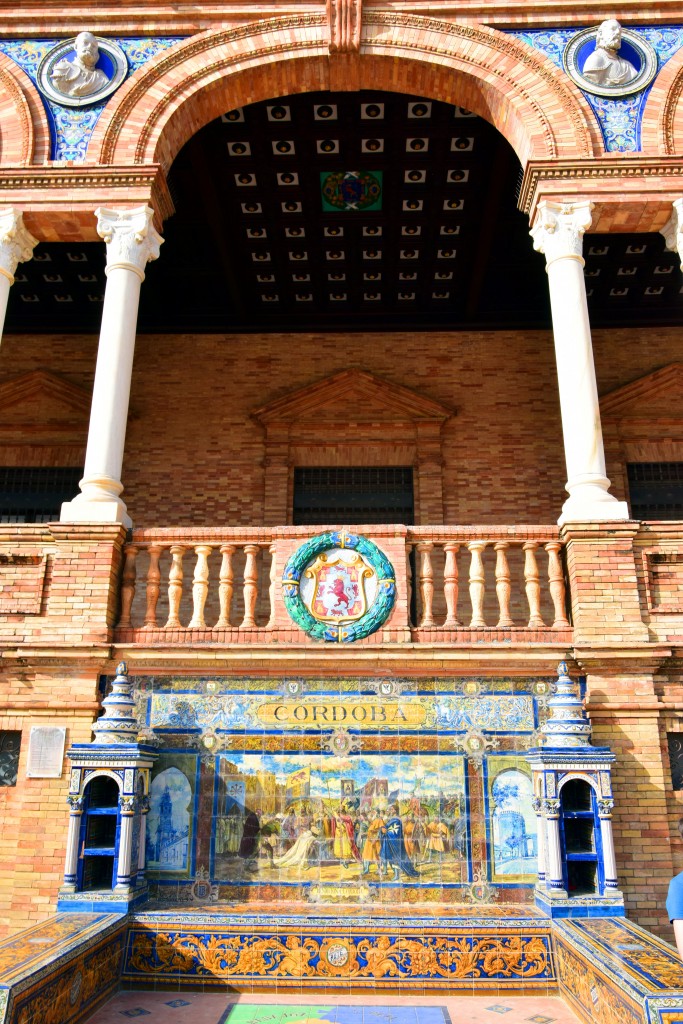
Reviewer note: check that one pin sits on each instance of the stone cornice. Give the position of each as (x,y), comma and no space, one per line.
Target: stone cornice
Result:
(605,179)
(143,16)
(42,192)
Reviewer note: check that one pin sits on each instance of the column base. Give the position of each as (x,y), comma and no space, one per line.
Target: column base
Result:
(83,511)
(589,501)
(576,511)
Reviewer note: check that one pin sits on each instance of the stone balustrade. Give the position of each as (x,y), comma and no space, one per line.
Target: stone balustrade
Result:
(513,577)
(223,585)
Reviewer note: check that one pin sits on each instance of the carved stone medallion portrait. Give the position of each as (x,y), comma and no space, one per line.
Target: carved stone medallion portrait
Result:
(610,60)
(82,70)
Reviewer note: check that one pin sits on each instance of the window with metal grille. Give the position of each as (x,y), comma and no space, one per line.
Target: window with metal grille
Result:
(10,744)
(656,490)
(353,494)
(34,494)
(675,741)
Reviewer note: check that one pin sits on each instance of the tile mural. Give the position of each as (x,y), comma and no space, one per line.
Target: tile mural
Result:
(341,790)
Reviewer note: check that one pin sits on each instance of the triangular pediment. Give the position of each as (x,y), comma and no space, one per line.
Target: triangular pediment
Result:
(43,396)
(658,394)
(360,395)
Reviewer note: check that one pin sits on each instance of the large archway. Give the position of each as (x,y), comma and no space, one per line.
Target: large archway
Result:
(538,111)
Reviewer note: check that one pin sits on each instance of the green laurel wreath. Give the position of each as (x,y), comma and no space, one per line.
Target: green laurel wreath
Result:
(378,612)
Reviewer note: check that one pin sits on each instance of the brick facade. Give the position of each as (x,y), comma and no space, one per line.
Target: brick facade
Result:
(501,387)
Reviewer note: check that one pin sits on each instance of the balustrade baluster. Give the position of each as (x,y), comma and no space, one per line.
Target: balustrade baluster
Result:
(152,587)
(532,585)
(426,584)
(128,584)
(225,586)
(450,584)
(272,589)
(477,582)
(556,584)
(409,583)
(503,584)
(175,586)
(250,586)
(200,586)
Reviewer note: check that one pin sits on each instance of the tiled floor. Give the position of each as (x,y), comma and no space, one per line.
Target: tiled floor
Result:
(213,1008)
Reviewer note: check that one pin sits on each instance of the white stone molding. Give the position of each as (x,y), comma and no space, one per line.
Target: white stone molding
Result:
(16,246)
(558,232)
(673,229)
(131,243)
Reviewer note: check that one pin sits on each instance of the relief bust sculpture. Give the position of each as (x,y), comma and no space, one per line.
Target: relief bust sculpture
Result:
(592,58)
(604,66)
(80,76)
(69,74)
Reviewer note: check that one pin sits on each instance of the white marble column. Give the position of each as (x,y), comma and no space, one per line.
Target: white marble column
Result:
(673,229)
(558,233)
(553,876)
(143,804)
(72,841)
(131,243)
(16,246)
(128,809)
(608,857)
(540,839)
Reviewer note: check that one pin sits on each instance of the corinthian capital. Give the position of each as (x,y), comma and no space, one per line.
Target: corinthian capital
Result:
(16,243)
(559,228)
(132,241)
(673,230)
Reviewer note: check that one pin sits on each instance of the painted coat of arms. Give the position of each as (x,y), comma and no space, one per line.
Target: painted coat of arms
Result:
(339,586)
(351,190)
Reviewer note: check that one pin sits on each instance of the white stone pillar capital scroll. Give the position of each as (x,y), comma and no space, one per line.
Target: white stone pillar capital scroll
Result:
(16,243)
(131,243)
(673,229)
(559,228)
(16,246)
(557,232)
(131,239)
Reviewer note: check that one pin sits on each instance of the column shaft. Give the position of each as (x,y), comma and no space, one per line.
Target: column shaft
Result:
(608,857)
(131,243)
(553,877)
(558,233)
(123,877)
(71,858)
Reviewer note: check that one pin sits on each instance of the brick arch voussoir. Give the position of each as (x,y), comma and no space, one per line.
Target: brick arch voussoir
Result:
(662,125)
(506,82)
(519,90)
(24,130)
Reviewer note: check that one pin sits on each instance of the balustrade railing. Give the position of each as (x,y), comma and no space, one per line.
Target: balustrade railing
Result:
(224,584)
(507,588)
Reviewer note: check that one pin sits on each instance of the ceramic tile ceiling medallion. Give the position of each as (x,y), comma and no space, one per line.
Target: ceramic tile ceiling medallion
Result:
(339,587)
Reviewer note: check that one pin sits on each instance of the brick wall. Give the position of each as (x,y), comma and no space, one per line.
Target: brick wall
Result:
(34,814)
(194,456)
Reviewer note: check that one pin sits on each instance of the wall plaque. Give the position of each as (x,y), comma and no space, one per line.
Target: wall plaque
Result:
(46,752)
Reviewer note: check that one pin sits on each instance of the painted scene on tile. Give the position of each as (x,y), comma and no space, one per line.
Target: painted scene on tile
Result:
(379,817)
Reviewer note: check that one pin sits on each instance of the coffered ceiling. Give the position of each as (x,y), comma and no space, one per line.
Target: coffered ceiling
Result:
(353,210)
